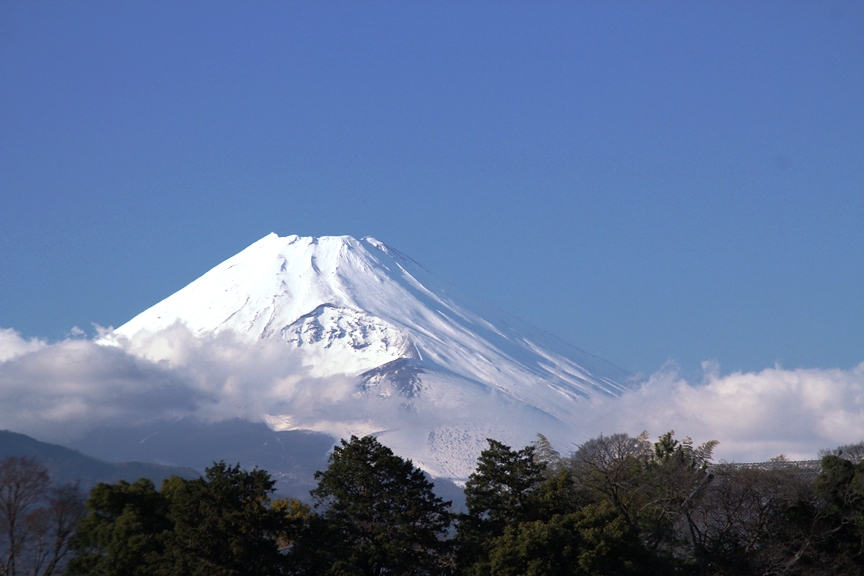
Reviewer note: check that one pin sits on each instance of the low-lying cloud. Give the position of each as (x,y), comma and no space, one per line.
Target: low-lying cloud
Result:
(754,415)
(52,390)
(58,391)
(55,391)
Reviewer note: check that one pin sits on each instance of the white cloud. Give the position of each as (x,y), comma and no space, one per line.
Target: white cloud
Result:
(13,345)
(55,391)
(247,379)
(754,415)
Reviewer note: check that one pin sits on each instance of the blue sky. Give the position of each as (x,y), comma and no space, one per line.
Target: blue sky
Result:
(651,181)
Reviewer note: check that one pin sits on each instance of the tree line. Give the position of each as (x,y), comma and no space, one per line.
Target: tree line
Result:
(618,505)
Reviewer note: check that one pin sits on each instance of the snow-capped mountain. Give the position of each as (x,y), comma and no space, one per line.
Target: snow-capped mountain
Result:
(430,376)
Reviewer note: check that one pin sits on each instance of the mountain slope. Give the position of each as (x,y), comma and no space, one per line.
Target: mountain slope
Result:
(66,465)
(429,375)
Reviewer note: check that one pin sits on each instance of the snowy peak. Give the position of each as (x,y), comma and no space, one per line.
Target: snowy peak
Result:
(355,305)
(441,374)
(318,294)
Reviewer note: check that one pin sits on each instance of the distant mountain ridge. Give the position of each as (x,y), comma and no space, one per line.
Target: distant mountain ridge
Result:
(291,457)
(68,465)
(432,377)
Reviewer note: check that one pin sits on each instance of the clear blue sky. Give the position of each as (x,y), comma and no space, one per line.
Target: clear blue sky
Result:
(648,180)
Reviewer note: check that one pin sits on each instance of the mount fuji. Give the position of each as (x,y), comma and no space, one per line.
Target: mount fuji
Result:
(379,346)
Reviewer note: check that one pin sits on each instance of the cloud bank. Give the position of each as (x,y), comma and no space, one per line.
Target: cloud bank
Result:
(57,391)
(754,415)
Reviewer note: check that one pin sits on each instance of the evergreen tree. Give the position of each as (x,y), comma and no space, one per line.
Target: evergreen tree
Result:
(377,515)
(502,491)
(593,540)
(223,524)
(219,525)
(295,516)
(123,533)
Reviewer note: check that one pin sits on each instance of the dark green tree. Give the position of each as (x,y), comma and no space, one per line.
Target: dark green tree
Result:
(840,485)
(376,514)
(223,524)
(219,525)
(295,516)
(123,533)
(502,491)
(593,540)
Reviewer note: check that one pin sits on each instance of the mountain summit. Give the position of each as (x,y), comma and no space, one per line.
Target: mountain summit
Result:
(430,377)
